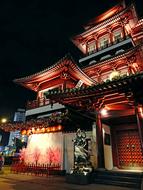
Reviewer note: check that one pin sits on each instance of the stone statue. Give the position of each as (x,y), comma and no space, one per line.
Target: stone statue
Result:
(80,151)
(82,164)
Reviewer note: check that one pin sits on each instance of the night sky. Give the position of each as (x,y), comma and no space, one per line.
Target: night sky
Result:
(35,34)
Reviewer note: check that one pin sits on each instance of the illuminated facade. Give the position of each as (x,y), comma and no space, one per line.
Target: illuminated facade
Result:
(108,86)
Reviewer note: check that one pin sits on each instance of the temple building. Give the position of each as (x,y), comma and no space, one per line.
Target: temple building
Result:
(111,73)
(105,90)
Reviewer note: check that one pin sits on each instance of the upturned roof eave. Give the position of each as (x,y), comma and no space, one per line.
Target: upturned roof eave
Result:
(99,25)
(100,88)
(50,72)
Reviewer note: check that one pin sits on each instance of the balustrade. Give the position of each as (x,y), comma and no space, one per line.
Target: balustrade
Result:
(37,103)
(36,169)
(109,44)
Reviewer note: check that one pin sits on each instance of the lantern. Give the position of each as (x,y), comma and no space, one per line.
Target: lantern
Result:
(53,129)
(43,130)
(23,132)
(59,127)
(33,130)
(47,130)
(28,132)
(38,131)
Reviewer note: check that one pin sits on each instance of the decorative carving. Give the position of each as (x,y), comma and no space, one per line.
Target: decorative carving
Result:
(132,64)
(131,59)
(133,68)
(98,74)
(126,17)
(36,85)
(65,75)
(113,65)
(109,29)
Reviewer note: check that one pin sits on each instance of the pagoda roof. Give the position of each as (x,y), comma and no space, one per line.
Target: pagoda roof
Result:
(94,26)
(104,16)
(137,31)
(35,80)
(139,23)
(124,84)
(113,58)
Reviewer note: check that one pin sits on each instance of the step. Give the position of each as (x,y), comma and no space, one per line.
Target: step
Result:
(118,178)
(118,183)
(120,173)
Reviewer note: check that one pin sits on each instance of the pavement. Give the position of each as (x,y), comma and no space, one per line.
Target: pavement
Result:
(10,181)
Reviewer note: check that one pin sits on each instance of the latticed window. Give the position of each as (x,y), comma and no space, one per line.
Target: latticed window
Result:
(103,42)
(117,35)
(91,47)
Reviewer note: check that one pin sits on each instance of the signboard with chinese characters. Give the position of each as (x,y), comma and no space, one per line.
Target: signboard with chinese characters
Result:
(79,84)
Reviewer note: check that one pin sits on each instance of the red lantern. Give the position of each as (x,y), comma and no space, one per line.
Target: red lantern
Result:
(43,130)
(38,131)
(33,130)
(59,127)
(46,130)
(53,129)
(28,132)
(23,132)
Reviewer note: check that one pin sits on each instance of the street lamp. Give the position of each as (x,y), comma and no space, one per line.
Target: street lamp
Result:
(3,120)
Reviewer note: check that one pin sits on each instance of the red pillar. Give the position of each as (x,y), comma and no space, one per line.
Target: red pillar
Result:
(123,32)
(64,85)
(111,38)
(99,137)
(96,43)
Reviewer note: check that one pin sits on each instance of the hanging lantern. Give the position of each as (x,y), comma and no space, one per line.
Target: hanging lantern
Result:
(53,129)
(23,132)
(47,130)
(59,127)
(33,130)
(37,131)
(43,130)
(28,132)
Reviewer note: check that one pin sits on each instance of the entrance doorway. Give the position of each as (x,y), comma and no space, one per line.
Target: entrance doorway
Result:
(129,151)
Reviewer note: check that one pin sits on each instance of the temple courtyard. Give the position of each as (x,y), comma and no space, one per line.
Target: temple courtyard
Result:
(10,181)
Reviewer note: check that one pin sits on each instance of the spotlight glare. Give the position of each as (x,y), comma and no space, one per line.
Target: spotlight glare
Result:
(103,112)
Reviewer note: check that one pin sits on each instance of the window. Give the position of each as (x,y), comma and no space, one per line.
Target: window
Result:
(103,42)
(117,35)
(91,47)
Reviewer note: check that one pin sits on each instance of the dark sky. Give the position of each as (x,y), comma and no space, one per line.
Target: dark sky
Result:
(36,33)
